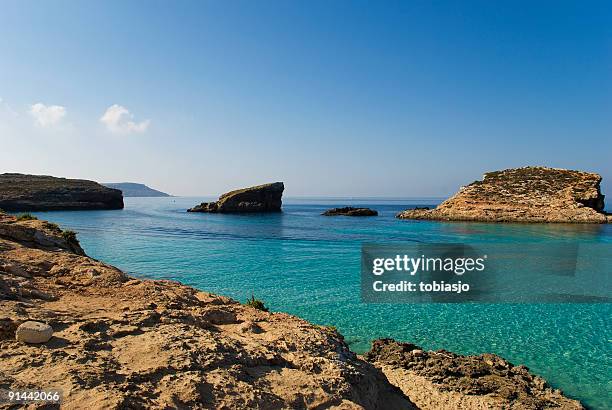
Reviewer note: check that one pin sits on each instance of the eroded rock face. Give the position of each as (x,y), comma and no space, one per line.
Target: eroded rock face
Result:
(19,192)
(260,198)
(350,211)
(122,343)
(445,380)
(530,194)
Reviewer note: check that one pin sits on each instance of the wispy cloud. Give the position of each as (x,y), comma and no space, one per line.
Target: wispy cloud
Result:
(6,108)
(119,120)
(47,115)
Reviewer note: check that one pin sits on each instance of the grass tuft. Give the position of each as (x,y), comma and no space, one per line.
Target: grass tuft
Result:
(70,236)
(26,217)
(256,303)
(53,227)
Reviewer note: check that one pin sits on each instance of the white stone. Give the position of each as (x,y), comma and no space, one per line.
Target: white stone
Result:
(34,332)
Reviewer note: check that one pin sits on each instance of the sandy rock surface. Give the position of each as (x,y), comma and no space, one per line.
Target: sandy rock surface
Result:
(121,342)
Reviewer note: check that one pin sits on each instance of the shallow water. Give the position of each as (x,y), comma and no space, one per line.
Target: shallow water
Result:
(305,264)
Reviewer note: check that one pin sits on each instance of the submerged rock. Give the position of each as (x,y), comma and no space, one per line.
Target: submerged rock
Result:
(19,192)
(260,198)
(350,211)
(530,194)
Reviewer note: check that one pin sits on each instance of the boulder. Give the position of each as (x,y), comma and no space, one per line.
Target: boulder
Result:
(350,211)
(260,198)
(529,194)
(34,332)
(19,192)
(445,380)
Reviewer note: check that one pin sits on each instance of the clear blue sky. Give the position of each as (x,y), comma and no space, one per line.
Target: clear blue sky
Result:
(336,98)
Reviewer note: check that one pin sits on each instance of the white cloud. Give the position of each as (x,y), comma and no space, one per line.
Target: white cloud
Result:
(47,115)
(119,120)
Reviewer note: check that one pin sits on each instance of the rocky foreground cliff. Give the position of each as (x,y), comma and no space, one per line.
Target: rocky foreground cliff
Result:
(260,198)
(126,343)
(19,192)
(530,194)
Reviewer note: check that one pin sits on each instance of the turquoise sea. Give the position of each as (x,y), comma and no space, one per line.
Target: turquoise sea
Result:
(309,265)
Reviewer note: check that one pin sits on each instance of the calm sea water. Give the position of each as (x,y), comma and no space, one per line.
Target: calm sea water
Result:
(308,265)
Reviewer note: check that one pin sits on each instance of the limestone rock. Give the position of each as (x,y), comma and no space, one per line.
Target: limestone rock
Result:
(441,379)
(350,211)
(530,194)
(260,198)
(34,332)
(19,192)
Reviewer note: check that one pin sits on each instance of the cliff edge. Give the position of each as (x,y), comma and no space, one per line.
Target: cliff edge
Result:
(530,194)
(20,192)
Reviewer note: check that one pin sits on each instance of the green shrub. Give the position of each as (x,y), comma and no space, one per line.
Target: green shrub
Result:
(26,217)
(70,236)
(53,227)
(256,303)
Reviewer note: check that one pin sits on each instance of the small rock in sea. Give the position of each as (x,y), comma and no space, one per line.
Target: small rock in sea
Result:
(34,332)
(350,211)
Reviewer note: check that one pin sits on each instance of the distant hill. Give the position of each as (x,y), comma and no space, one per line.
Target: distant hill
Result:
(133,189)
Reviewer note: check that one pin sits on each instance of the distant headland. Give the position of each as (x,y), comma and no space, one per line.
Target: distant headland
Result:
(132,189)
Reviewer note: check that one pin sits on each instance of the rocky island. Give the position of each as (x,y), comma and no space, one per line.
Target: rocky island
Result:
(111,341)
(132,189)
(19,192)
(260,198)
(529,194)
(350,211)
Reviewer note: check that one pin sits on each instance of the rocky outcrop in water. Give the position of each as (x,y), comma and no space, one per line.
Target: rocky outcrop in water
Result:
(530,194)
(350,211)
(19,192)
(260,198)
(117,342)
(445,380)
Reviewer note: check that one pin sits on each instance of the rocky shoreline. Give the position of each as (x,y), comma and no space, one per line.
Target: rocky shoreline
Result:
(121,342)
(530,194)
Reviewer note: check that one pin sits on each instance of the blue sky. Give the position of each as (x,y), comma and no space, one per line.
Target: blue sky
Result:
(335,98)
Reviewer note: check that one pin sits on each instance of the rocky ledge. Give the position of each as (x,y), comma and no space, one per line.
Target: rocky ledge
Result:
(350,211)
(118,342)
(445,380)
(260,198)
(19,192)
(530,194)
